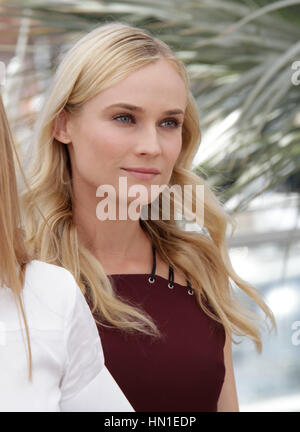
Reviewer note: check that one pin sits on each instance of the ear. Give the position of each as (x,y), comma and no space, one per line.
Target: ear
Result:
(60,130)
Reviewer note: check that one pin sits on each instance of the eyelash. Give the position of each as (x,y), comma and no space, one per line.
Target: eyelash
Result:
(177,123)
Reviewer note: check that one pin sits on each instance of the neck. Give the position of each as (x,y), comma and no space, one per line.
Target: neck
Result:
(117,243)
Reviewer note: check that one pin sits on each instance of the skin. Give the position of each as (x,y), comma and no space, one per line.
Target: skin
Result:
(228,399)
(101,141)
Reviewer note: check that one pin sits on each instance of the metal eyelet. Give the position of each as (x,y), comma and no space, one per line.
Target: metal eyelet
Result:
(170,285)
(191,291)
(151,280)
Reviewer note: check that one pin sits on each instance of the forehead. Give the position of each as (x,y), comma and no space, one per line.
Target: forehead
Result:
(156,84)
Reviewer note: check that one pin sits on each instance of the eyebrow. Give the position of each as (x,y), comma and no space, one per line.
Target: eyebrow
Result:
(139,109)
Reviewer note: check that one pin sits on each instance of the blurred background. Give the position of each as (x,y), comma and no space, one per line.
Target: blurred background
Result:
(243,59)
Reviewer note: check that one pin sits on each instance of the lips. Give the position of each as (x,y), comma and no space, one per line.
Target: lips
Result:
(143,175)
(143,170)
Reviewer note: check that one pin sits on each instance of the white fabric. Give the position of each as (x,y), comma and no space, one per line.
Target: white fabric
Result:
(107,396)
(66,350)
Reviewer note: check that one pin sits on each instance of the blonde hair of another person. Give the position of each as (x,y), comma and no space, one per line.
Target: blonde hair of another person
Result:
(97,61)
(13,256)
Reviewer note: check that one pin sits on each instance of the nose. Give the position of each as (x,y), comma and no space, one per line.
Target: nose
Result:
(148,142)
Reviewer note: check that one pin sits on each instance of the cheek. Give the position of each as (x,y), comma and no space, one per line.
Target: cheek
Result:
(107,143)
(173,150)
(97,150)
(171,154)
(96,143)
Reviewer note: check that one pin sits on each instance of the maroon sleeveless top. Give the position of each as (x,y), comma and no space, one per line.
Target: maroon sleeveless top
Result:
(181,371)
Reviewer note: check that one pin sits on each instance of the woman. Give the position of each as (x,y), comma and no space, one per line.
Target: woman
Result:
(162,298)
(54,370)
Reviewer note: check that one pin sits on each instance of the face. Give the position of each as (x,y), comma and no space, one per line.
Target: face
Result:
(105,141)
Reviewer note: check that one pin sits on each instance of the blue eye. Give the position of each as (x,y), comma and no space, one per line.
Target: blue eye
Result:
(123,116)
(175,122)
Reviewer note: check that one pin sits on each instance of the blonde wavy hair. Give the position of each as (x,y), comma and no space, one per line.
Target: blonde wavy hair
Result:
(97,61)
(13,257)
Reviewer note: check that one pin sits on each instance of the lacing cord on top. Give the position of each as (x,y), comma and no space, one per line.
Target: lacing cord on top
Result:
(151,279)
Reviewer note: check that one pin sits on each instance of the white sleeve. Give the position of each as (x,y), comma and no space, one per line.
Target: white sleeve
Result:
(84,354)
(102,394)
